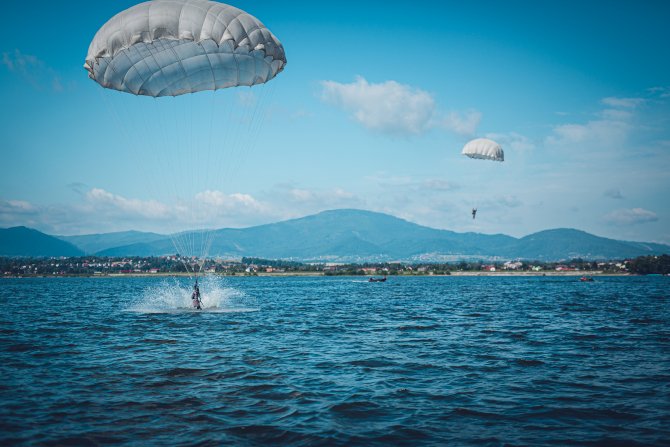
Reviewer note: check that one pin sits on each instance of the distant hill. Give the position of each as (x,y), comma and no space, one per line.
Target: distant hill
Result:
(565,243)
(22,241)
(94,243)
(358,236)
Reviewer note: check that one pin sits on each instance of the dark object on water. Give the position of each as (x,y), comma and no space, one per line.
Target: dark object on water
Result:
(586,279)
(377,279)
(474,212)
(195,297)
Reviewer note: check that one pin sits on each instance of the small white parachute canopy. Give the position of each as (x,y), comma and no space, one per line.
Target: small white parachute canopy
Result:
(484,149)
(173,47)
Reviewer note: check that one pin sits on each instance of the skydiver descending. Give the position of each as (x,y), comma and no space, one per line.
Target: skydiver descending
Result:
(474,213)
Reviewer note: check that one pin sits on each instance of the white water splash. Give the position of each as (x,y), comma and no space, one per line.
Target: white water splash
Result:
(173,296)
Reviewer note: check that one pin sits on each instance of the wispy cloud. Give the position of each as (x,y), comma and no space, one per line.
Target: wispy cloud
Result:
(462,123)
(229,202)
(113,204)
(16,207)
(631,103)
(33,70)
(393,108)
(513,140)
(438,185)
(101,210)
(611,126)
(408,183)
(660,91)
(388,107)
(303,199)
(18,212)
(631,216)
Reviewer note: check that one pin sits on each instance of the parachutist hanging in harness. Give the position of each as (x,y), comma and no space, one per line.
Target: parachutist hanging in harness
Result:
(483,149)
(195,297)
(167,49)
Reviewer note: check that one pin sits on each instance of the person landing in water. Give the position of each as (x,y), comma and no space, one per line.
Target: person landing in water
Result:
(195,297)
(474,212)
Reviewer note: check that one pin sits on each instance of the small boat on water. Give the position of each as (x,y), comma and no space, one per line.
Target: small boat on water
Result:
(377,279)
(586,279)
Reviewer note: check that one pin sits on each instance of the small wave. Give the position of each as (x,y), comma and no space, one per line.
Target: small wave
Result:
(85,440)
(356,409)
(418,327)
(480,414)
(584,336)
(159,342)
(21,347)
(371,363)
(524,362)
(583,414)
(183,372)
(645,320)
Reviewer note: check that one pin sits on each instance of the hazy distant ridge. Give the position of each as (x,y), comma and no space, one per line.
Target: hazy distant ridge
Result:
(357,236)
(22,241)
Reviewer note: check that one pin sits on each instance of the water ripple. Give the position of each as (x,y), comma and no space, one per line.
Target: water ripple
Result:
(331,361)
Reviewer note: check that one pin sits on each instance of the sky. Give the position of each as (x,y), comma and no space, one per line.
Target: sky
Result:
(371,112)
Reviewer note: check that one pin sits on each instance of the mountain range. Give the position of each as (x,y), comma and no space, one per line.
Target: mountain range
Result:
(334,236)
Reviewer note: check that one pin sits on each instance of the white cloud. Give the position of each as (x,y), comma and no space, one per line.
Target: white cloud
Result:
(630,216)
(32,70)
(660,91)
(317,199)
(235,201)
(513,140)
(462,124)
(438,185)
(16,206)
(388,107)
(99,210)
(616,114)
(602,132)
(612,125)
(407,183)
(622,102)
(117,205)
(396,109)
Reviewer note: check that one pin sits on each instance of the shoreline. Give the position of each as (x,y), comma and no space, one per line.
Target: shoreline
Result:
(321,274)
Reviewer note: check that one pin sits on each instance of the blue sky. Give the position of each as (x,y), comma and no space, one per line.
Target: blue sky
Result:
(371,112)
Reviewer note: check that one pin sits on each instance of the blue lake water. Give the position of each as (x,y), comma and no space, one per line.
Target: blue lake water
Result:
(336,361)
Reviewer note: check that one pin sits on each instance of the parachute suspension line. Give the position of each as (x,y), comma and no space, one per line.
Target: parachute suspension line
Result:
(265,112)
(221,148)
(168,164)
(180,238)
(207,242)
(244,136)
(226,150)
(164,164)
(242,151)
(131,125)
(240,148)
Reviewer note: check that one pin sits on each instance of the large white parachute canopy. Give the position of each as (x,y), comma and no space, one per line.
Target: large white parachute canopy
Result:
(485,149)
(186,147)
(173,47)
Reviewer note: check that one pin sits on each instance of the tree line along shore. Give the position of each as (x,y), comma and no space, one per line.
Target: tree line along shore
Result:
(92,266)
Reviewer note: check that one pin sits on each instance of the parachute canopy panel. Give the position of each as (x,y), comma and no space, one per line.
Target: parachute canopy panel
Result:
(173,47)
(484,149)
